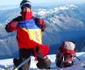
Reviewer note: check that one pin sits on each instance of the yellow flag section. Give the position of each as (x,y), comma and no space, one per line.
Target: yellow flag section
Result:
(34,34)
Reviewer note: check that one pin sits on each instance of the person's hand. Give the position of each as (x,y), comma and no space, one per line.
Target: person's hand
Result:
(41,23)
(7,29)
(11,26)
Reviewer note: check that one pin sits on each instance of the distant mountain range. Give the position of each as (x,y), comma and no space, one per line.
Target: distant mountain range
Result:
(65,22)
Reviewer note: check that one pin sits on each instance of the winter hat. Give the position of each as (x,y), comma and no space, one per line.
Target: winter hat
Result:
(25,3)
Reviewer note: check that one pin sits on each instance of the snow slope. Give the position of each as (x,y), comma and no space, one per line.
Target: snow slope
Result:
(78,65)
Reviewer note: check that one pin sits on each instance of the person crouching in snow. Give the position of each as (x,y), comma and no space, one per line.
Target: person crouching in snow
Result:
(65,55)
(29,37)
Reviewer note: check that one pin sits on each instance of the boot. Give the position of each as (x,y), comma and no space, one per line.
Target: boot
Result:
(16,62)
(43,63)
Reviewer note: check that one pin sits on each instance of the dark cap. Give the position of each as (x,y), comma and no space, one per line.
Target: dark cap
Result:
(25,3)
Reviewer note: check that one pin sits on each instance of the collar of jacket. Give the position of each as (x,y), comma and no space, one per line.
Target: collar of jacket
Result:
(26,15)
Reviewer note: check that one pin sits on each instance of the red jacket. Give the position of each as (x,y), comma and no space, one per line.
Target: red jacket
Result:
(23,37)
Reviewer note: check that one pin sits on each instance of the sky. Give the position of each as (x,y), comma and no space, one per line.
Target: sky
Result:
(37,2)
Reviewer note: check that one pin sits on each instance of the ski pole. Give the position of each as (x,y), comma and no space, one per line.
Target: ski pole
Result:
(22,63)
(78,58)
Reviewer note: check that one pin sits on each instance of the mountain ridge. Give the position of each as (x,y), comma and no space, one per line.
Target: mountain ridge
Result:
(63,23)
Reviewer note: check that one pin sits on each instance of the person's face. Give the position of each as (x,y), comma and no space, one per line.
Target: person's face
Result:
(26,9)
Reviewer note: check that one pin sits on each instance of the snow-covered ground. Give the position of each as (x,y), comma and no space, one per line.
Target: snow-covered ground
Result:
(78,65)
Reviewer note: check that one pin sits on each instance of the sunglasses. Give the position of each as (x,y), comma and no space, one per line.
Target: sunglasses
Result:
(26,5)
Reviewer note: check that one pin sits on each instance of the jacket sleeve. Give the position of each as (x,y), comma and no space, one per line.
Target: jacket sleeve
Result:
(41,23)
(11,26)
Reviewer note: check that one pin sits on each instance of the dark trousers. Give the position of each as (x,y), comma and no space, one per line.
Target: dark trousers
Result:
(23,55)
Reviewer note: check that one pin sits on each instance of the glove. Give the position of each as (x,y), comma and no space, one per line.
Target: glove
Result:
(7,29)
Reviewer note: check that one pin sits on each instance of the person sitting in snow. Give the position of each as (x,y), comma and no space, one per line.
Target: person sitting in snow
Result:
(65,55)
(29,37)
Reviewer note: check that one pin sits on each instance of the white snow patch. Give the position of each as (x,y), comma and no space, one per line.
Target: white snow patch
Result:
(78,65)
